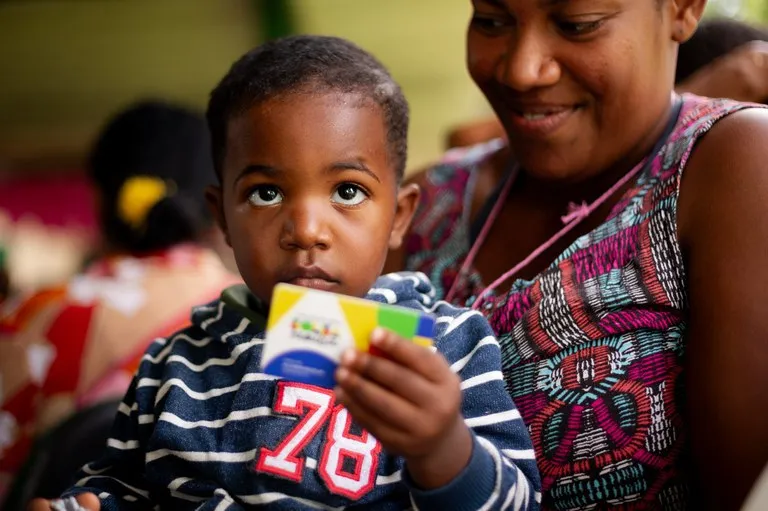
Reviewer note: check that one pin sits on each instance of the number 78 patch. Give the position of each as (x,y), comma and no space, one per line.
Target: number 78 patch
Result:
(349,463)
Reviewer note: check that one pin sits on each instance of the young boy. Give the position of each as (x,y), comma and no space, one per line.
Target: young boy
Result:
(309,139)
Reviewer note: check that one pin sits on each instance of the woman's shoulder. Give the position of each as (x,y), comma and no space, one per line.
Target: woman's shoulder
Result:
(731,155)
(723,135)
(691,134)
(700,114)
(708,113)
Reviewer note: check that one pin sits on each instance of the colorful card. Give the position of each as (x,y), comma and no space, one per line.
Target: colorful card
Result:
(308,330)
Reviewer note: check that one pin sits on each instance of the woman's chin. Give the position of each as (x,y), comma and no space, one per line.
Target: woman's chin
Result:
(549,165)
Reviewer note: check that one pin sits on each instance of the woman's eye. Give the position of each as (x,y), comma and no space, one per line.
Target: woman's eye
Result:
(489,24)
(578,28)
(265,196)
(349,195)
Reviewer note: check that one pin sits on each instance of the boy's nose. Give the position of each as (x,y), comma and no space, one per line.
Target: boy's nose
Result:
(306,227)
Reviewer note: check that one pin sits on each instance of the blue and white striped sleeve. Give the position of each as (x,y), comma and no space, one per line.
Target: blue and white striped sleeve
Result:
(502,472)
(117,478)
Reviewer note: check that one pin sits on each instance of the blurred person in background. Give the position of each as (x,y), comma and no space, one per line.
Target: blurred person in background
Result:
(5,283)
(725,58)
(77,345)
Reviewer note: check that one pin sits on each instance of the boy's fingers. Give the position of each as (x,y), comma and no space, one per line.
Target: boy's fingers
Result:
(420,359)
(370,421)
(400,380)
(389,407)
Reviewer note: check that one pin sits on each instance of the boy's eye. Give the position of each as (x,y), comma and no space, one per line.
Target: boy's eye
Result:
(266,195)
(349,194)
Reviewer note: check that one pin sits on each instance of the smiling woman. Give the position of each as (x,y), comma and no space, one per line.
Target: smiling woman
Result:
(616,244)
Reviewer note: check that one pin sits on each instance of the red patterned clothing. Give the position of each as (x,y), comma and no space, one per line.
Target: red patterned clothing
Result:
(71,346)
(593,346)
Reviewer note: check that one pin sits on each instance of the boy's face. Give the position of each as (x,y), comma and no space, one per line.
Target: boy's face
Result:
(308,194)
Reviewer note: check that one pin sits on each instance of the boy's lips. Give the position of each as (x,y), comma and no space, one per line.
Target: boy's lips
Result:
(309,276)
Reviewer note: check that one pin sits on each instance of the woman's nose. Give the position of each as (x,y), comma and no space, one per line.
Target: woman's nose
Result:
(527,63)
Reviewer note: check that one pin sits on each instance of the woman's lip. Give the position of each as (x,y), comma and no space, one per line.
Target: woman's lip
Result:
(540,123)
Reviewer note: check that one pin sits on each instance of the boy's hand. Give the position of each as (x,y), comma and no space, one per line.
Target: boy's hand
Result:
(88,501)
(410,402)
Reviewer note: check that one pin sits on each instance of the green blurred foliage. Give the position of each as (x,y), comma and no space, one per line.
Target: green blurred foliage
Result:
(755,11)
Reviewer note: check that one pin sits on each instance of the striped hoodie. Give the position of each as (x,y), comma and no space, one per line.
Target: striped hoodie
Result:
(201,427)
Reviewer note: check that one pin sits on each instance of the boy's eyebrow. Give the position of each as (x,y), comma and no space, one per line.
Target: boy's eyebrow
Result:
(256,169)
(354,165)
(272,172)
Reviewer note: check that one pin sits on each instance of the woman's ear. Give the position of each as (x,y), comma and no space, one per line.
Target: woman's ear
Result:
(407,201)
(215,201)
(685,18)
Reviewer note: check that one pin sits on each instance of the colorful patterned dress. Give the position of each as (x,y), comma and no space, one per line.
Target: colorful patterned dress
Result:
(68,347)
(593,346)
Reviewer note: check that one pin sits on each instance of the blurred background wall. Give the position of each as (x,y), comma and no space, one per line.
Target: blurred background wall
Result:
(67,64)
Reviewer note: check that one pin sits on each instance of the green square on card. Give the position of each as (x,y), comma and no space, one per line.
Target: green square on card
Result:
(401,321)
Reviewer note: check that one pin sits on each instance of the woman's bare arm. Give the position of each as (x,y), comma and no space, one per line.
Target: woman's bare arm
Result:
(723,227)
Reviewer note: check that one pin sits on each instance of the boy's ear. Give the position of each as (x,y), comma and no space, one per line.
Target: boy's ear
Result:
(685,18)
(407,201)
(214,199)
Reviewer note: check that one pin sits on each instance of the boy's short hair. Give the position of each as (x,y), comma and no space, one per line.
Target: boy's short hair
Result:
(308,63)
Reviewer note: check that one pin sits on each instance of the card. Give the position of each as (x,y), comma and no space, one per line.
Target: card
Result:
(308,330)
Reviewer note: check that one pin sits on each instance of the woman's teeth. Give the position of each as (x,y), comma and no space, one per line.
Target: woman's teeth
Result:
(533,117)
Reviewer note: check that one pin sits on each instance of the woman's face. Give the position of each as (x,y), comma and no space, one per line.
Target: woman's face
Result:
(578,84)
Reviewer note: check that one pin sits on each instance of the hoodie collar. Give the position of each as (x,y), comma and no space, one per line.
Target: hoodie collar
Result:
(237,316)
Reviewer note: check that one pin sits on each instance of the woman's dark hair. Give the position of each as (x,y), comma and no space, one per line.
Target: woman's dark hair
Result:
(168,144)
(713,39)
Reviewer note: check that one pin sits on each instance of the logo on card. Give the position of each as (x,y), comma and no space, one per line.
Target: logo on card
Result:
(319,330)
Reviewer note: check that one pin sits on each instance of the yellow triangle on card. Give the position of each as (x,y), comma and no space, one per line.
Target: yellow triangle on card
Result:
(284,297)
(362,318)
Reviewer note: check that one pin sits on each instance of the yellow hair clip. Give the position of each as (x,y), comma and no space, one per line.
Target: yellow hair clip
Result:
(137,196)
